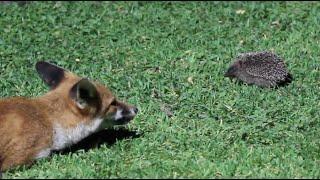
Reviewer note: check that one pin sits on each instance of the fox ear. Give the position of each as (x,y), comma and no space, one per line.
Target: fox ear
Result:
(84,93)
(51,74)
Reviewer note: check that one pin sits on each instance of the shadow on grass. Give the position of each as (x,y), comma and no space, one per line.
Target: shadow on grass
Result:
(107,136)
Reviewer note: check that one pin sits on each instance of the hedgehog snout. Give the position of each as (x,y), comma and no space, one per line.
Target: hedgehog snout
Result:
(231,72)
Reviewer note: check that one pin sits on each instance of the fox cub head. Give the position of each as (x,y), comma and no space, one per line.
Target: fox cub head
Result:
(89,100)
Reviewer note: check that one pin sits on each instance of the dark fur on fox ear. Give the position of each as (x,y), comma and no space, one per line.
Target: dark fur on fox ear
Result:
(84,93)
(51,74)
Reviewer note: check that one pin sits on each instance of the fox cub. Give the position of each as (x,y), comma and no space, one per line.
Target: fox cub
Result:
(30,128)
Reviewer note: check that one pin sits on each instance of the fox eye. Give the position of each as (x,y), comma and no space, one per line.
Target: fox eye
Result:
(113,103)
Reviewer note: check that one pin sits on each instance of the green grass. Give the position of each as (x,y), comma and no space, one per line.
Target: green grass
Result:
(145,53)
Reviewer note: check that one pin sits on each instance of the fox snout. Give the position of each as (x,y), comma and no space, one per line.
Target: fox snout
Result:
(124,113)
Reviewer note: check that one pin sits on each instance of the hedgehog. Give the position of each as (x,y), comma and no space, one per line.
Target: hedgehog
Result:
(264,69)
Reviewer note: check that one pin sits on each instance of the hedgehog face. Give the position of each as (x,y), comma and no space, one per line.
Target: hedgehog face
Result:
(233,70)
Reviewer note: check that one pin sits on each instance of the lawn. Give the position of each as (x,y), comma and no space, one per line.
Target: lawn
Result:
(168,59)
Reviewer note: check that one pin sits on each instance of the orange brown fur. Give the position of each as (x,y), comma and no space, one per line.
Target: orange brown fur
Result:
(27,124)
